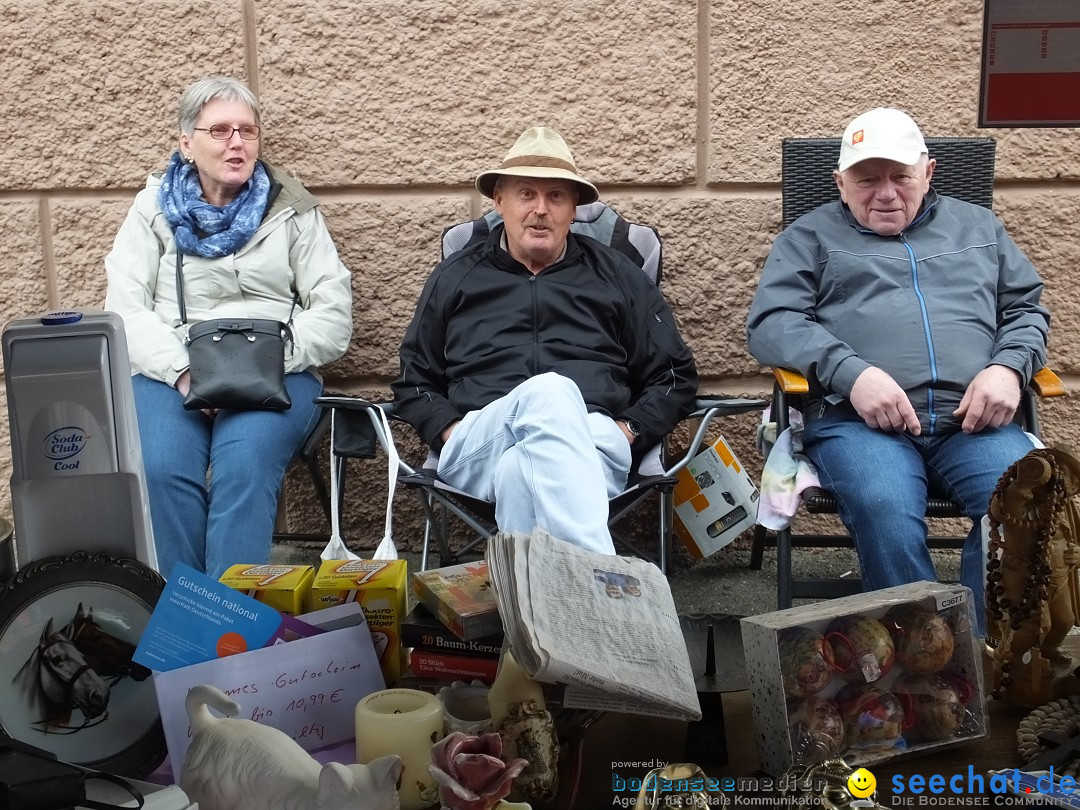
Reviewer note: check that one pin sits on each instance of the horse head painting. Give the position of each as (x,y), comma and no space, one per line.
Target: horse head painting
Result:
(70,626)
(108,655)
(57,679)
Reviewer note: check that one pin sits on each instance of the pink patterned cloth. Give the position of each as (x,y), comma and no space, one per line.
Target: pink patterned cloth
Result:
(787,472)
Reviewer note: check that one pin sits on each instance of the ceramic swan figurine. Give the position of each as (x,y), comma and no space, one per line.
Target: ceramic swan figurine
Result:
(236,764)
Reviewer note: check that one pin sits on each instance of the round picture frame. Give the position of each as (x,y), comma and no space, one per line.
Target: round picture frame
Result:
(68,627)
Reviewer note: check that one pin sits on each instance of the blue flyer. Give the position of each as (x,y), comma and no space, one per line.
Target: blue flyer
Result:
(198,619)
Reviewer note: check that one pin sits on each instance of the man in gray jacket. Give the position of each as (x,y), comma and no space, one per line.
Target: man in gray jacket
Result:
(917,321)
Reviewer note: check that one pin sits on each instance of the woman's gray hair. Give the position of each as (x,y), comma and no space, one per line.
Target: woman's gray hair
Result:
(200,93)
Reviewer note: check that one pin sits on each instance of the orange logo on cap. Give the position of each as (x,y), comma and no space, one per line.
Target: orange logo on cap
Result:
(857,137)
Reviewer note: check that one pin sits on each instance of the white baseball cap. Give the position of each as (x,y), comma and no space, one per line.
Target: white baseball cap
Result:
(881,133)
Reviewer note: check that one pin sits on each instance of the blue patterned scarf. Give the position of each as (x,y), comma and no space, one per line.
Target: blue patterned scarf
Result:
(223,230)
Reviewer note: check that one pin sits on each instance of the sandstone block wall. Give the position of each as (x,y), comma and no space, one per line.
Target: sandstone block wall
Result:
(387,110)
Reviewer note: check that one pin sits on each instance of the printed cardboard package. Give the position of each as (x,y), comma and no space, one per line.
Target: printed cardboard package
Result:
(282,587)
(715,500)
(460,596)
(379,588)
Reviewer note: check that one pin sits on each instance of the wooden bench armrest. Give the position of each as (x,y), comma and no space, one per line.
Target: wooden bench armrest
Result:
(1046,383)
(791,382)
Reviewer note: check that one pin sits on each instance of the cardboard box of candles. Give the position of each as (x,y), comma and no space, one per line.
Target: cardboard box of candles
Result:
(379,587)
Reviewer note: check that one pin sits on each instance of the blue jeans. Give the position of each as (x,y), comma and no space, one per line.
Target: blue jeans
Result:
(543,459)
(214,483)
(881,482)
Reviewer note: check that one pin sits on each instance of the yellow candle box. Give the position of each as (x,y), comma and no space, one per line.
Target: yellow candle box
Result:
(379,587)
(283,587)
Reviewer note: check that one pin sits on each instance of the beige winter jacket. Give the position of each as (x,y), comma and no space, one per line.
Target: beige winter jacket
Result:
(291,251)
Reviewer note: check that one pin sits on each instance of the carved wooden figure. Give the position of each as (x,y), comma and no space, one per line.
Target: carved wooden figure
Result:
(1032,593)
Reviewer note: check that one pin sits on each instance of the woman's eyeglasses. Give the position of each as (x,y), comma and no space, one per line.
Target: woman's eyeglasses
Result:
(222,132)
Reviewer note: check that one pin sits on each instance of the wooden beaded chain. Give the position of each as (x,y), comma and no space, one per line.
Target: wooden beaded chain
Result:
(1041,514)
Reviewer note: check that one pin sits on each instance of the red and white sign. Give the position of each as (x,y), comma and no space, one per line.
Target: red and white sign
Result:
(1030,64)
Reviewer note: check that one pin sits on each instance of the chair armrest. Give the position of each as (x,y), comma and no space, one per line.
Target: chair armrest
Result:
(354,403)
(791,382)
(705,408)
(725,406)
(1046,383)
(371,409)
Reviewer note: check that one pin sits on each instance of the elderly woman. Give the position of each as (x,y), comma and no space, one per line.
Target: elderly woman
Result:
(252,244)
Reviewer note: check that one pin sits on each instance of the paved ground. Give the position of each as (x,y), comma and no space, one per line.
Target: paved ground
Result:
(721,584)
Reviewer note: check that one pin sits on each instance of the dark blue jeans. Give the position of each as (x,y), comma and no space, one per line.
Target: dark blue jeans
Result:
(881,483)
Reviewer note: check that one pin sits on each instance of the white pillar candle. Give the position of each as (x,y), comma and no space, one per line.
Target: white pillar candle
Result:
(406,722)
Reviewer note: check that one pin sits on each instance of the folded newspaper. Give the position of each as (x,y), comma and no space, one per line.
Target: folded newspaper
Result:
(604,626)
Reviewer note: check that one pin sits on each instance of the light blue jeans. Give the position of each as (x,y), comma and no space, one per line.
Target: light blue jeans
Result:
(213,521)
(880,481)
(543,459)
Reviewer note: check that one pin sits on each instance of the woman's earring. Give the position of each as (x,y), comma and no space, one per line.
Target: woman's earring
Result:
(189,160)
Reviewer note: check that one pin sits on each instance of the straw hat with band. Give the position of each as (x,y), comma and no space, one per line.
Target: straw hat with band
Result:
(539,152)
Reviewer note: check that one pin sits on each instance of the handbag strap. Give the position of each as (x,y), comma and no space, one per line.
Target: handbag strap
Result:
(180,287)
(183,308)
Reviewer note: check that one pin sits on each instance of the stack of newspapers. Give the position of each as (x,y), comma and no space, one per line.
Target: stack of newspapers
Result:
(604,626)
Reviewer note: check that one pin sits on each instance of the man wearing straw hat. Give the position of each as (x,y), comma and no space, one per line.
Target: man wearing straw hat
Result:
(539,361)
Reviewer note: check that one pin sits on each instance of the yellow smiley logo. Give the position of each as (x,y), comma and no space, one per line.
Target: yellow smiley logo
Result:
(861,783)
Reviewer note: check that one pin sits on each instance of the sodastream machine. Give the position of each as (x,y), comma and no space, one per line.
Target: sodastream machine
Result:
(77,481)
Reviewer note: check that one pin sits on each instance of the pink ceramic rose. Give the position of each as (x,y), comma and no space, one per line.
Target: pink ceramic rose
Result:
(470,771)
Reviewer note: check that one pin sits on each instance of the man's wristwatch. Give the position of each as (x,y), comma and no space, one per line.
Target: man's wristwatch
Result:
(633,427)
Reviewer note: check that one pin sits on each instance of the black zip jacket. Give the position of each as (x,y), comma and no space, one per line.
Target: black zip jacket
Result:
(484,324)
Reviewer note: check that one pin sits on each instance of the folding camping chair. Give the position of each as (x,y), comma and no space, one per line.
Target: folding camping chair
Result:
(965,170)
(653,475)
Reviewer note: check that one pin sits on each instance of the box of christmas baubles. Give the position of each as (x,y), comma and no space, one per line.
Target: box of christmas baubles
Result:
(866,678)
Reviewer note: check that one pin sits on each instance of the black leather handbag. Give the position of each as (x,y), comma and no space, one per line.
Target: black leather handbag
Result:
(235,363)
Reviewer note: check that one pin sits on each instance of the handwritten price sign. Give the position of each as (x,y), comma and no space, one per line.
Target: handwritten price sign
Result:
(302,703)
(307,688)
